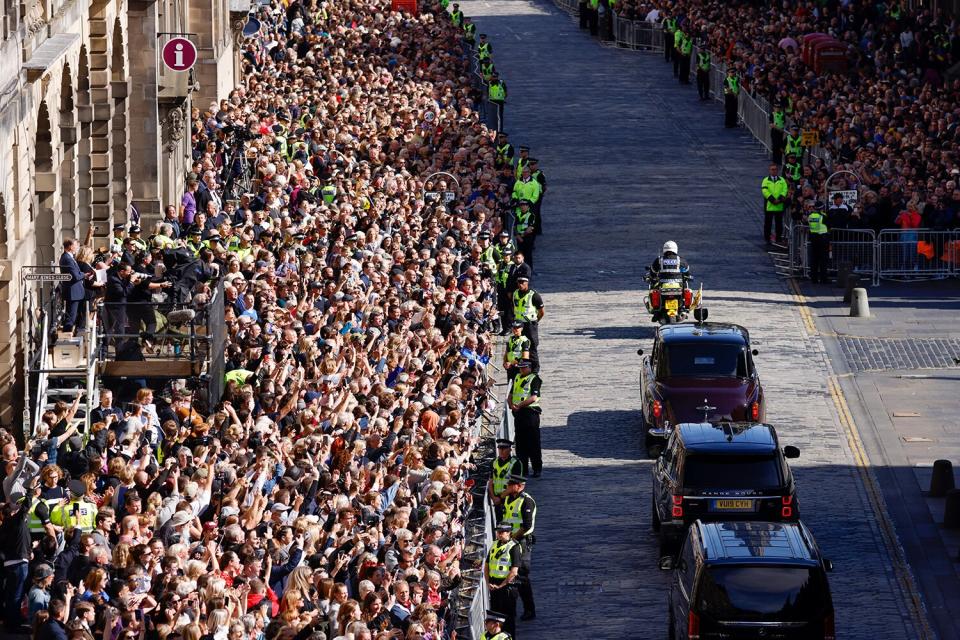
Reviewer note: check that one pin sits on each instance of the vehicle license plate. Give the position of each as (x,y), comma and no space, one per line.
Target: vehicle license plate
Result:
(733,505)
(673,305)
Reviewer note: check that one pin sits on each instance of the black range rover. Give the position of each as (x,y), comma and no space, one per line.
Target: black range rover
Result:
(725,471)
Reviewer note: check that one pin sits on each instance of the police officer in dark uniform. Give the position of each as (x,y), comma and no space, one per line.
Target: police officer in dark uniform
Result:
(528,308)
(731,98)
(520,510)
(503,466)
(504,301)
(517,349)
(537,175)
(524,402)
(525,229)
(493,625)
(501,569)
(819,244)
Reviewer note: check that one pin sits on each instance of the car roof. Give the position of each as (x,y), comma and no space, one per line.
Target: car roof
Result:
(722,332)
(727,437)
(757,543)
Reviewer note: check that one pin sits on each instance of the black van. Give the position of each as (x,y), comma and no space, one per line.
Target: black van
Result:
(762,580)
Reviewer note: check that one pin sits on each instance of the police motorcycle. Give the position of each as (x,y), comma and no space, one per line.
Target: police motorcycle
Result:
(669,300)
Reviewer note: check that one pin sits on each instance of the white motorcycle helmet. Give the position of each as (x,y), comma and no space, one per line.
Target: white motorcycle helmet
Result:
(670,247)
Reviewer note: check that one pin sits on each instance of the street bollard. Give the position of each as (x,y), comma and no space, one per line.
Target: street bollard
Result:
(942,480)
(859,305)
(850,282)
(951,510)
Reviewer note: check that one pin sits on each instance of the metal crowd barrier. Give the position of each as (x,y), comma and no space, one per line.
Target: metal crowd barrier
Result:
(889,254)
(570,6)
(636,34)
(918,253)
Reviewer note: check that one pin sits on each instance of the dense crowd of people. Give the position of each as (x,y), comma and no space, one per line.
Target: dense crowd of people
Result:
(891,120)
(325,494)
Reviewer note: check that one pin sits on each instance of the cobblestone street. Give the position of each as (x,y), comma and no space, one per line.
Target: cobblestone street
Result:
(632,159)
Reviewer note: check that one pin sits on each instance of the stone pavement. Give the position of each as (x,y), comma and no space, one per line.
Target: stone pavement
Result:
(898,370)
(633,159)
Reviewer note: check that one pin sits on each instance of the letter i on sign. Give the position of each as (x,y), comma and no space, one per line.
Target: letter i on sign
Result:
(178,56)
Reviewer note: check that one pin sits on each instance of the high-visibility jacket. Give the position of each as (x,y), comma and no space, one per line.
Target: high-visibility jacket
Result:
(500,636)
(793,145)
(524,220)
(456,17)
(516,345)
(76,513)
(779,119)
(511,511)
(496,92)
(731,85)
(703,60)
(527,190)
(523,308)
(498,560)
(686,45)
(773,188)
(329,193)
(501,471)
(793,170)
(483,50)
(521,390)
(816,223)
(34,523)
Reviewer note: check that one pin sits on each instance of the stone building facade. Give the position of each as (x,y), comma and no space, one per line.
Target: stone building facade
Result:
(90,124)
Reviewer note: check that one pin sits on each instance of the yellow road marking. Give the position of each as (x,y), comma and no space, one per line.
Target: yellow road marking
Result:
(805,314)
(861,460)
(900,566)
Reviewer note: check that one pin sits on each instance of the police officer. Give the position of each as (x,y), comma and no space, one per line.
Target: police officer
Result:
(505,151)
(520,511)
(669,28)
(484,48)
(793,143)
(78,512)
(38,517)
(685,50)
(778,119)
(819,244)
(522,160)
(774,189)
(497,96)
(502,568)
(528,309)
(703,72)
(139,243)
(524,402)
(492,626)
(503,466)
(537,175)
(525,229)
(677,41)
(517,349)
(469,30)
(456,16)
(488,259)
(731,98)
(504,300)
(792,170)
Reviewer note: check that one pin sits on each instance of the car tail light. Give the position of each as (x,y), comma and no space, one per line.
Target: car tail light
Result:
(755,411)
(786,510)
(829,632)
(693,626)
(655,299)
(677,511)
(657,409)
(687,298)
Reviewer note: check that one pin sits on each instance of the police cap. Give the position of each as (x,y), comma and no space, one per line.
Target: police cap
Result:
(525,364)
(524,147)
(504,526)
(194,231)
(504,234)
(503,442)
(516,324)
(134,229)
(483,235)
(493,616)
(524,201)
(120,226)
(523,279)
(532,160)
(77,488)
(517,478)
(507,251)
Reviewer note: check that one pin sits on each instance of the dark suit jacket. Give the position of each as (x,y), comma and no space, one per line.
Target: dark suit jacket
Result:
(72,290)
(523,269)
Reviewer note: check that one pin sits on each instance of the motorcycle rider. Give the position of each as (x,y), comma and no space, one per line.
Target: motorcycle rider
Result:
(669,265)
